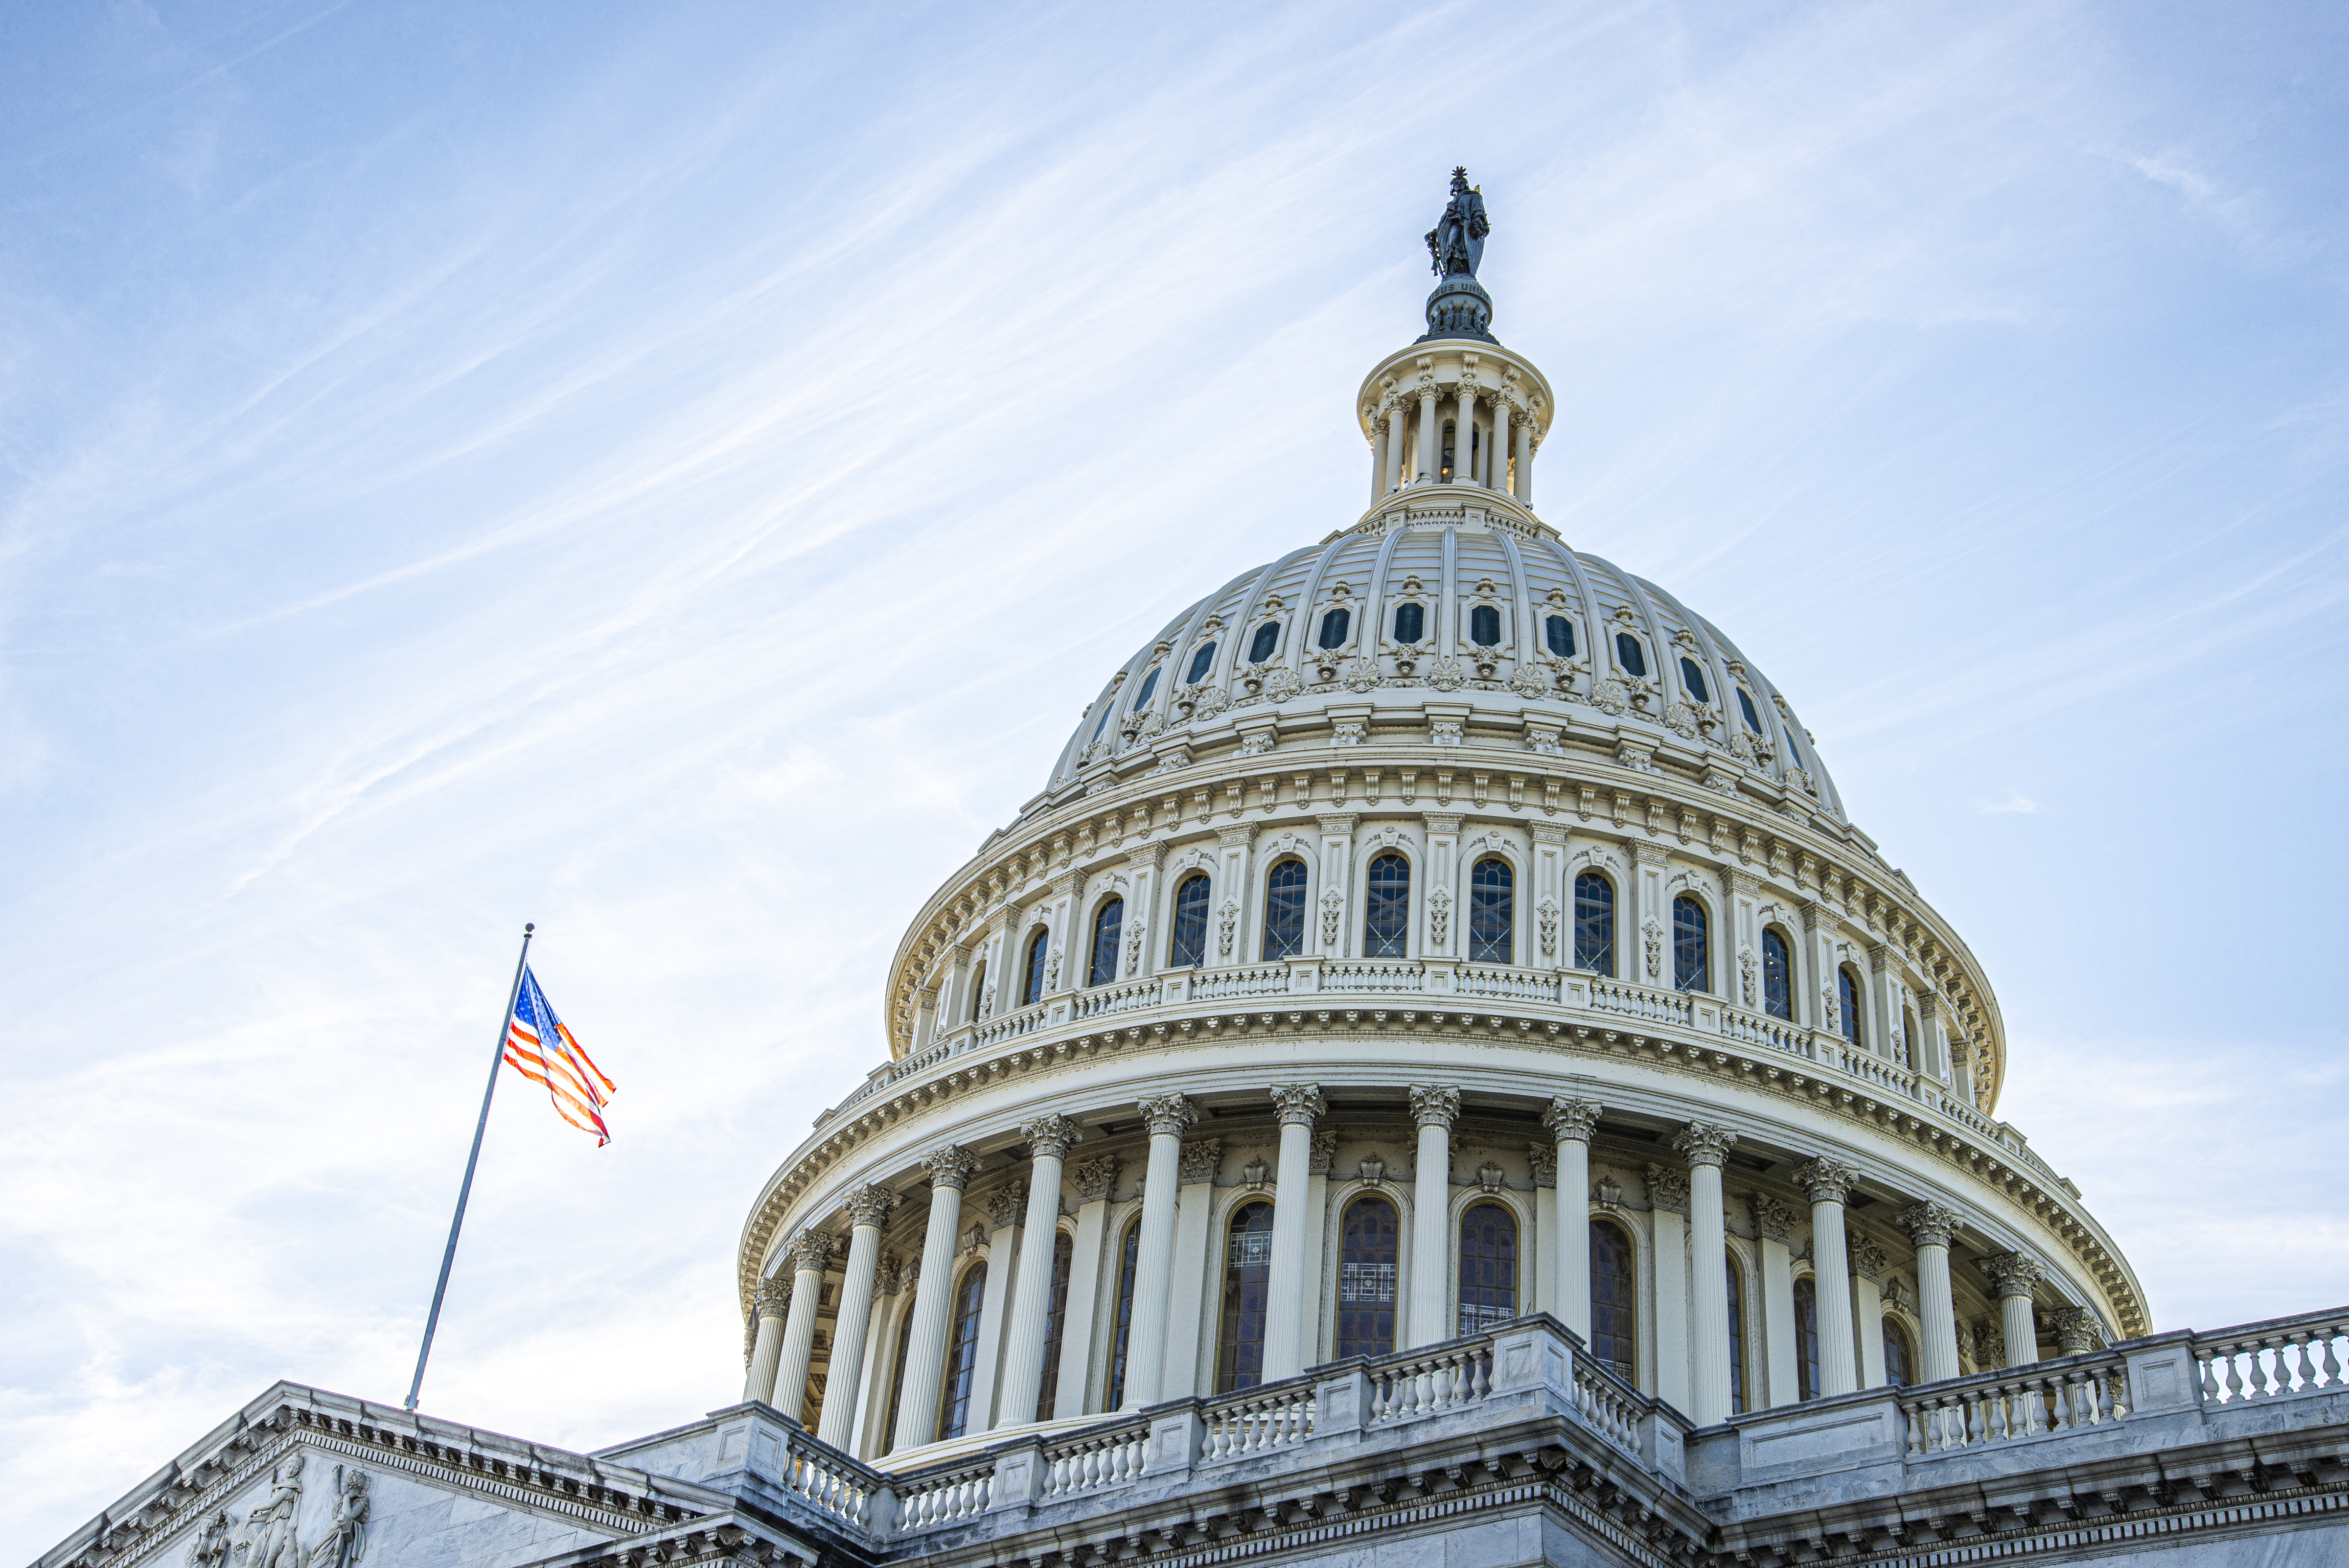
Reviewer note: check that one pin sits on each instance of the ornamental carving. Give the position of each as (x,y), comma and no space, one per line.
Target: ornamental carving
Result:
(1434,1105)
(1228,919)
(1446,675)
(1867,1259)
(1667,1189)
(1324,1150)
(1200,1159)
(1052,1137)
(775,1297)
(1095,1178)
(886,1274)
(2014,1273)
(1333,911)
(1167,1115)
(1298,1103)
(269,1528)
(1611,696)
(1652,934)
(1530,682)
(1826,1180)
(950,1167)
(1347,734)
(1681,719)
(1545,920)
(1207,700)
(1773,1219)
(1543,1157)
(1444,732)
(2079,1331)
(1134,948)
(1361,674)
(870,1204)
(1439,919)
(1282,685)
(1704,1142)
(1929,1224)
(1052,968)
(1746,974)
(810,1251)
(1572,1120)
(1006,1206)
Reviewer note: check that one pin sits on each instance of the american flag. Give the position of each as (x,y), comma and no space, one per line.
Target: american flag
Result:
(542,1050)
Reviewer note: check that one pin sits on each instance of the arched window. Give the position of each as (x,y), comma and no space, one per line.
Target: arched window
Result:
(1283,910)
(1149,684)
(1614,1299)
(1629,654)
(1107,923)
(1806,1338)
(1056,1323)
(1189,949)
(1694,679)
(1267,638)
(1247,1268)
(977,989)
(897,1370)
(1847,1002)
(962,1354)
(1386,919)
(1561,636)
(1737,1337)
(1366,1279)
(1745,706)
(1691,965)
(1594,923)
(1031,990)
(1777,976)
(1410,623)
(1199,664)
(1899,1366)
(1484,625)
(1129,1254)
(1491,911)
(1333,628)
(1488,1268)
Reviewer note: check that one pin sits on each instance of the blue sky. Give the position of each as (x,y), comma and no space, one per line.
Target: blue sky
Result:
(675,475)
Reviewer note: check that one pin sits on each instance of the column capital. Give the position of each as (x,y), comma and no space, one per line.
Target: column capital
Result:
(1321,1152)
(1167,1115)
(1668,1188)
(1744,884)
(1572,1120)
(1773,1219)
(1096,1179)
(869,1205)
(1052,1137)
(2078,1331)
(1434,1105)
(950,1167)
(1827,1179)
(2014,1273)
(1298,1103)
(775,1297)
(1704,1142)
(1929,1224)
(810,1249)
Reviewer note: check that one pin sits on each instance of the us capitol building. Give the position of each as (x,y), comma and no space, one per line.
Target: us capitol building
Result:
(1436,1078)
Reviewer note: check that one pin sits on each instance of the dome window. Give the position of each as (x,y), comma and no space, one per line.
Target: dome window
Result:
(1190,946)
(1410,623)
(1745,706)
(1631,655)
(1283,910)
(1333,628)
(1806,1338)
(1267,638)
(1488,1268)
(1248,1281)
(1594,924)
(1484,625)
(1777,976)
(1199,664)
(1107,709)
(1032,989)
(1149,684)
(1106,926)
(1561,636)
(1691,963)
(1614,1298)
(1848,996)
(1491,911)
(1386,925)
(1366,1279)
(1694,679)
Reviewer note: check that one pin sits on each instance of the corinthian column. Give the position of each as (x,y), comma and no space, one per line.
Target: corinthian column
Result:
(1434,1107)
(1928,1226)
(1023,1368)
(1571,1123)
(1431,434)
(767,1309)
(809,1252)
(2016,1276)
(926,1348)
(867,1207)
(1828,1181)
(1706,1149)
(1398,412)
(1168,1117)
(1298,1104)
(1525,459)
(1463,439)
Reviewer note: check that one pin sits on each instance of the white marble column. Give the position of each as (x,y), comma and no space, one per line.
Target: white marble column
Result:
(1501,447)
(1525,460)
(1378,459)
(1668,1216)
(1706,1147)
(1775,1224)
(868,1206)
(1463,439)
(766,1309)
(1298,1105)
(1050,1137)
(1571,1123)
(1929,1227)
(1094,1181)
(917,1400)
(1827,1181)
(1391,446)
(1168,1117)
(809,1251)
(1868,1263)
(2016,1276)
(1434,1107)
(1186,1281)
(1431,430)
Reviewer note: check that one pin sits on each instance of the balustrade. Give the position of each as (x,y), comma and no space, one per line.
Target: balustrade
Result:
(1429,1385)
(1509,985)
(1095,1460)
(942,1497)
(1760,1029)
(1010,1026)
(2006,1407)
(1638,1001)
(1608,1404)
(2273,1360)
(1258,1421)
(1217,984)
(828,1479)
(1110,999)
(1372,975)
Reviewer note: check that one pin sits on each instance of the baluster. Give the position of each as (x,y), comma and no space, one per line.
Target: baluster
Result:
(2209,1383)
(2234,1376)
(2331,1368)
(2303,1366)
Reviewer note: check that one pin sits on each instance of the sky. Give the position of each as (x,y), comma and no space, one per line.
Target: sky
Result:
(675,475)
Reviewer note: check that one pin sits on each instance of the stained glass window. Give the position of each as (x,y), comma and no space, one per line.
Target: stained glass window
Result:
(962,1354)
(1561,636)
(1488,1268)
(1614,1299)
(1056,1323)
(1806,1338)
(1694,679)
(1199,664)
(1247,1271)
(1594,923)
(1386,920)
(1410,623)
(1031,990)
(1629,654)
(1333,628)
(1777,976)
(1484,625)
(1129,1254)
(1106,926)
(1691,963)
(1491,911)
(1366,1279)
(1190,946)
(1283,910)
(1267,638)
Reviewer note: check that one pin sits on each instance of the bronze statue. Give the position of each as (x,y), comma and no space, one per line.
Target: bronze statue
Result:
(1456,243)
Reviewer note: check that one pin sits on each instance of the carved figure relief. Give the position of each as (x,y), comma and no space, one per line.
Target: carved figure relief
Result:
(1052,968)
(1746,967)
(345,1539)
(210,1547)
(269,1530)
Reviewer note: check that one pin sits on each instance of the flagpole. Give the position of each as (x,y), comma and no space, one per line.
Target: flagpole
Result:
(457,1223)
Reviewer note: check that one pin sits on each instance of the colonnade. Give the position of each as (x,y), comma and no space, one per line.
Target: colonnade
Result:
(1161,1359)
(1485,463)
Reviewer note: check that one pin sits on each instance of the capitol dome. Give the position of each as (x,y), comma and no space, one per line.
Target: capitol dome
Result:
(1433,927)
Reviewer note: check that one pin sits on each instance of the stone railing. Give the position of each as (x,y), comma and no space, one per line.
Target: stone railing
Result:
(1094,1460)
(1373,974)
(2274,1360)
(1010,1026)
(1277,1417)
(1428,1384)
(1107,999)
(940,1496)
(1223,984)
(829,1480)
(1672,1008)
(2022,1402)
